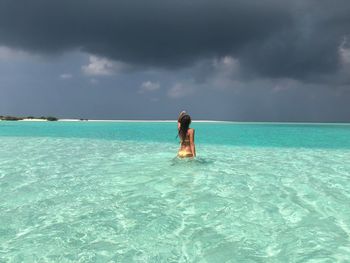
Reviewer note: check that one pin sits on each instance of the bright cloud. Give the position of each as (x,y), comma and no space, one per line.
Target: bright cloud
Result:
(226,73)
(344,51)
(7,53)
(226,65)
(149,86)
(66,76)
(99,66)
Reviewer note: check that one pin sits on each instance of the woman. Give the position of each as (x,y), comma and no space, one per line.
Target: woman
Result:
(186,134)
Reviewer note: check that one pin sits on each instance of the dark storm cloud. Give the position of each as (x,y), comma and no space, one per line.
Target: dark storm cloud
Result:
(272,38)
(307,49)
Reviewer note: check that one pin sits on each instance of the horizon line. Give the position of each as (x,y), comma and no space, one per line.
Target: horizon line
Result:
(221,121)
(198,121)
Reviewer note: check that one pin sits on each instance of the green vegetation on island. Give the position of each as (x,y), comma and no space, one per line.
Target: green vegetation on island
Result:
(15,118)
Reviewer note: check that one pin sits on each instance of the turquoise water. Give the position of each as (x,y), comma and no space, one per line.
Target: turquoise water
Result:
(113,192)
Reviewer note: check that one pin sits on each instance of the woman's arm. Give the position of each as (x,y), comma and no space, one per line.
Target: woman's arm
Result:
(193,147)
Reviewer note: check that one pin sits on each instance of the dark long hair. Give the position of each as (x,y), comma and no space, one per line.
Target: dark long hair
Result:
(185,124)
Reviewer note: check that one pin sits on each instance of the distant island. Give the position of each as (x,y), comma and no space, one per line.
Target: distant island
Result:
(29,118)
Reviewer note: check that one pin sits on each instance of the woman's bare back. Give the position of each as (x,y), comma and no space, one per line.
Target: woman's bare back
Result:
(187,148)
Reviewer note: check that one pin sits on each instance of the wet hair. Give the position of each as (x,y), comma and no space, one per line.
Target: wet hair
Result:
(185,121)
(182,113)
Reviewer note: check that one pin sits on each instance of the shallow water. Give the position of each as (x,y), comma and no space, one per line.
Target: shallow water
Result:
(113,192)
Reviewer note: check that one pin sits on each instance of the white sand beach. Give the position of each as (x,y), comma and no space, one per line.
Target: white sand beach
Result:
(33,119)
(136,120)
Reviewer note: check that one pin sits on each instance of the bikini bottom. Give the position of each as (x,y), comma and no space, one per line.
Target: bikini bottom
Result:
(183,154)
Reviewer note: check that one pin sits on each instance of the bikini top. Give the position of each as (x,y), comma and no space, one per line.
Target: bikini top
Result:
(186,141)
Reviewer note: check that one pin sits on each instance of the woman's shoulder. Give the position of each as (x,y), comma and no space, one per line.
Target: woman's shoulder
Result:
(190,130)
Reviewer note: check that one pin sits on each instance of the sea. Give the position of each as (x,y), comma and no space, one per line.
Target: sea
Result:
(116,192)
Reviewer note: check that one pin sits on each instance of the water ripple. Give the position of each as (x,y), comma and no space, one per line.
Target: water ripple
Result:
(85,200)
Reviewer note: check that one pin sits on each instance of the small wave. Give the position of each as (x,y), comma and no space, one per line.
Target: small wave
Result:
(193,161)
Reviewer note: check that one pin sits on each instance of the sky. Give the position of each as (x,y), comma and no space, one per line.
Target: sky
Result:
(237,60)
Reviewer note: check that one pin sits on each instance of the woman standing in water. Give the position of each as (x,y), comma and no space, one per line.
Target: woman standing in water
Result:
(186,134)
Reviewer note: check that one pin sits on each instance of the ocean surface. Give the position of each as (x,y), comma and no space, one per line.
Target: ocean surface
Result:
(115,192)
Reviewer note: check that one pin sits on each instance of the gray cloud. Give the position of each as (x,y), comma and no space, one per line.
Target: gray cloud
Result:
(276,38)
(285,58)
(150,33)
